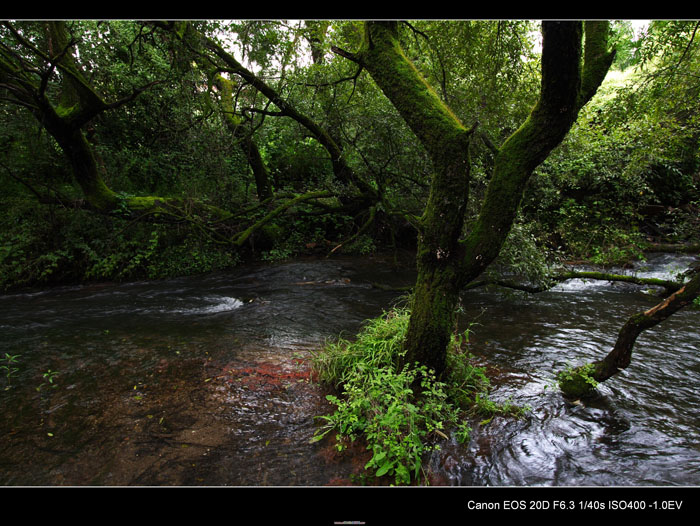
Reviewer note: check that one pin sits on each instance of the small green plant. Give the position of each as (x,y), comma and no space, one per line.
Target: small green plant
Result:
(123,204)
(277,254)
(362,245)
(577,381)
(8,367)
(48,380)
(400,412)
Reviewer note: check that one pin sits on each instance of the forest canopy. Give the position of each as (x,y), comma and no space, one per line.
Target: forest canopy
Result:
(206,143)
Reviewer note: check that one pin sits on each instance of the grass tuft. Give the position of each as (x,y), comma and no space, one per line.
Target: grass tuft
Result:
(377,400)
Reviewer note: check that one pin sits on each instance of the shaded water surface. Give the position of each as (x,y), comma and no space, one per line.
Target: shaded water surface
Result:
(205,381)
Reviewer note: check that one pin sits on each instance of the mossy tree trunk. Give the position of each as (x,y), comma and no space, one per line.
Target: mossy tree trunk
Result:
(77,104)
(244,137)
(446,140)
(445,261)
(65,118)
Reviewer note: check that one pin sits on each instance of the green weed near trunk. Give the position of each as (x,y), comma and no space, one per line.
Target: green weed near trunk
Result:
(402,413)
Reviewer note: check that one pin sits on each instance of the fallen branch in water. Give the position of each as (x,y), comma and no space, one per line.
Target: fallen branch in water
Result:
(691,248)
(582,380)
(668,285)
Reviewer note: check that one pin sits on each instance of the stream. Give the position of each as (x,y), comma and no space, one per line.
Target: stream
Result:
(204,381)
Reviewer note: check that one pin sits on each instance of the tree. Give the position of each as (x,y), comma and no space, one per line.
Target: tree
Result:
(446,261)
(66,115)
(41,73)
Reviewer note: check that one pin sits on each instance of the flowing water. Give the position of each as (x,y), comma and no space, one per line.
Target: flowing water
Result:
(205,381)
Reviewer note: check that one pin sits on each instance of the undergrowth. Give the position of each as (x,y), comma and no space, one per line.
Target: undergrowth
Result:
(61,246)
(377,401)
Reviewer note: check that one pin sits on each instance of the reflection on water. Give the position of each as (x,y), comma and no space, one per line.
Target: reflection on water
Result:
(204,381)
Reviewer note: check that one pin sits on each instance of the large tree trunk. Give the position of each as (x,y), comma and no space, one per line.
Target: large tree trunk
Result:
(65,119)
(446,264)
(447,142)
(565,87)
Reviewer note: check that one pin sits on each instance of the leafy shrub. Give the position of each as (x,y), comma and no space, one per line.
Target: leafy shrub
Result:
(46,247)
(379,401)
(577,381)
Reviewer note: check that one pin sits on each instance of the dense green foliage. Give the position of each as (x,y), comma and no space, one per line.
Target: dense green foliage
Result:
(401,411)
(625,175)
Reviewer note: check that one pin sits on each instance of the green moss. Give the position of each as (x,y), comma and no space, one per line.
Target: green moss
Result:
(174,207)
(99,195)
(65,111)
(577,382)
(431,120)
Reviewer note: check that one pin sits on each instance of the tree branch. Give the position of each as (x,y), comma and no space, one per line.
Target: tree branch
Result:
(347,54)
(239,239)
(582,381)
